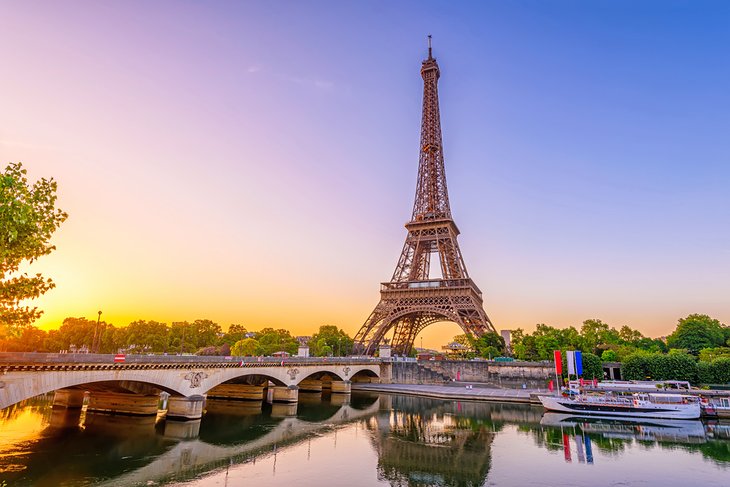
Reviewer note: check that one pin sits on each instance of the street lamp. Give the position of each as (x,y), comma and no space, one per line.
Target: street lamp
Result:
(95,342)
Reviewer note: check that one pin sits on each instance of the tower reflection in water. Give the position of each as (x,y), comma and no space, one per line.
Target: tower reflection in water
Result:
(430,446)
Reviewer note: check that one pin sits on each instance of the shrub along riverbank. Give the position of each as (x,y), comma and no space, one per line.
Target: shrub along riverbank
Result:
(676,366)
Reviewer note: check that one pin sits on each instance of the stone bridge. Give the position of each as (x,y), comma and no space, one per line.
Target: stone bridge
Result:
(132,384)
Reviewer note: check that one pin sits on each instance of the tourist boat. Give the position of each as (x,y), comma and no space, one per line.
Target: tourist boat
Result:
(647,405)
(716,406)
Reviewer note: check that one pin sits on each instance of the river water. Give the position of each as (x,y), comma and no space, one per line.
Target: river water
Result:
(364,440)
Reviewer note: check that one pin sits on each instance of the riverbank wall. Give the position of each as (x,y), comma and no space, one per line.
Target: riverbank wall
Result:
(509,375)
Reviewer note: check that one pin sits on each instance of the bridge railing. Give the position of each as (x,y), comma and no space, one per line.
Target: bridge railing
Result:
(94,358)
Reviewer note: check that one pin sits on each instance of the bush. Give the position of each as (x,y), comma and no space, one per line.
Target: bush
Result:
(721,370)
(705,373)
(635,367)
(609,356)
(675,366)
(592,367)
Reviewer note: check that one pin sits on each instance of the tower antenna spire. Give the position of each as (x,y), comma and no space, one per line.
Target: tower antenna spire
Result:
(430,56)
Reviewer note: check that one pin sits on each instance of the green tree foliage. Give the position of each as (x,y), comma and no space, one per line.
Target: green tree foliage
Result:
(715,372)
(273,341)
(246,347)
(609,356)
(592,366)
(595,336)
(629,335)
(28,218)
(76,333)
(145,337)
(721,370)
(523,346)
(655,366)
(598,336)
(696,332)
(710,354)
(234,334)
(191,337)
(330,340)
(489,345)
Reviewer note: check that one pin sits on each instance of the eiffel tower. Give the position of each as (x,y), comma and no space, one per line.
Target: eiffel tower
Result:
(411,300)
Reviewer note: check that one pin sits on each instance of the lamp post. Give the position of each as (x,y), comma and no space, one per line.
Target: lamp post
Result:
(97,339)
(182,340)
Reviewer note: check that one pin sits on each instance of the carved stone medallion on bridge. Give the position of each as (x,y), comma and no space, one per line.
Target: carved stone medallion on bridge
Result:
(292,373)
(195,378)
(346,370)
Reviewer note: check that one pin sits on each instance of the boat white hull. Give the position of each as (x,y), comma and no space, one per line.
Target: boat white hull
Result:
(665,411)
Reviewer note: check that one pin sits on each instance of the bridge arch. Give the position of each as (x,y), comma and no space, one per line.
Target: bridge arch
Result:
(341,371)
(99,380)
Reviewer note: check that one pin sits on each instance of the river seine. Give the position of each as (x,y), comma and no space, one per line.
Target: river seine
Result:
(363,440)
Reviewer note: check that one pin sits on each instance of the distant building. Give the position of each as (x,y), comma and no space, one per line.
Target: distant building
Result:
(455,349)
(303,340)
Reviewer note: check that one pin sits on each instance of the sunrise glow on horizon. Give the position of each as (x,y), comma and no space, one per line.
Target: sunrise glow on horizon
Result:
(255,163)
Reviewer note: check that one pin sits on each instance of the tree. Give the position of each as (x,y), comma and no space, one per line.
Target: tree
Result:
(28,218)
(710,354)
(696,332)
(629,335)
(609,356)
(330,340)
(592,367)
(598,335)
(246,347)
(523,345)
(146,336)
(489,345)
(76,333)
(273,341)
(234,334)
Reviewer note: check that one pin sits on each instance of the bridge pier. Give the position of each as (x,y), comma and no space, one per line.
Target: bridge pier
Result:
(185,408)
(310,385)
(68,398)
(284,394)
(232,406)
(123,403)
(386,373)
(242,392)
(341,387)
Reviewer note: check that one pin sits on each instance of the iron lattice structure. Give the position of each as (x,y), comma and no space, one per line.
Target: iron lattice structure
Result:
(412,300)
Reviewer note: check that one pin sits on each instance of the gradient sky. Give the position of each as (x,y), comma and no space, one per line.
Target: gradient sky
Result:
(254,162)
